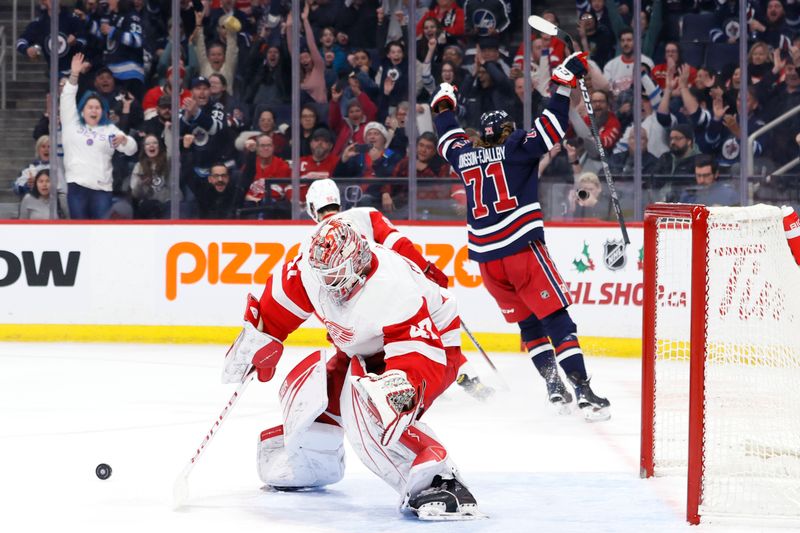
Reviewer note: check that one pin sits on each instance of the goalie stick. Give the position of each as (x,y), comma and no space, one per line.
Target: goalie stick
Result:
(180,490)
(544,26)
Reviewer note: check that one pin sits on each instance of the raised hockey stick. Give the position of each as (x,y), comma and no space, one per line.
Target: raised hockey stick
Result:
(543,26)
(483,353)
(180,490)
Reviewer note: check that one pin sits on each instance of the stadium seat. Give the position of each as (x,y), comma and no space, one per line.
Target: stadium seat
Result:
(695,27)
(721,55)
(693,54)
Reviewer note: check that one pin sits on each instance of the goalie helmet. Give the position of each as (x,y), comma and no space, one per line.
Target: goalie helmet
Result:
(492,125)
(321,193)
(339,258)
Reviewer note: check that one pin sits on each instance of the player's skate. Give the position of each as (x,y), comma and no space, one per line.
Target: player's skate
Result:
(557,392)
(474,387)
(446,499)
(593,407)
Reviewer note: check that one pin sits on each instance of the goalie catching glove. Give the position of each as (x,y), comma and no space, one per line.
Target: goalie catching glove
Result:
(251,348)
(392,400)
(444,98)
(571,69)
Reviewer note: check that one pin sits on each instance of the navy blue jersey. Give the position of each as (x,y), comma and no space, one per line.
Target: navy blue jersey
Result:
(123,52)
(37,33)
(211,140)
(503,211)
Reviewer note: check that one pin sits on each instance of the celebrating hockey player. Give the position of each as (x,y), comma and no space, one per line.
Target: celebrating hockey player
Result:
(397,341)
(506,232)
(323,203)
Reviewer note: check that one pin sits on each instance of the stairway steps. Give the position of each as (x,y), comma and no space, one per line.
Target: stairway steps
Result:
(25,99)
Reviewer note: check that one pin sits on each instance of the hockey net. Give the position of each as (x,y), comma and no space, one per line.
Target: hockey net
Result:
(721,359)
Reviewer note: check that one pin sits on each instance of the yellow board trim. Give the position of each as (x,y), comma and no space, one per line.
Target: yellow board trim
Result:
(491,342)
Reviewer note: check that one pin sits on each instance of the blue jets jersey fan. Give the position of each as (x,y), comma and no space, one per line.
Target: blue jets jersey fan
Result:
(123,52)
(502,181)
(71,37)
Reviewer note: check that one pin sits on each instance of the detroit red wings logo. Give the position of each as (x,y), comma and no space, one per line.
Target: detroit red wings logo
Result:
(339,334)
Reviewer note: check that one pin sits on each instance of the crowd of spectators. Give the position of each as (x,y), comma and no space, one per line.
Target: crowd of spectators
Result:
(236,101)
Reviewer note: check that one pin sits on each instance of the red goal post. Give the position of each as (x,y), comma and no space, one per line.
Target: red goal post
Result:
(721,359)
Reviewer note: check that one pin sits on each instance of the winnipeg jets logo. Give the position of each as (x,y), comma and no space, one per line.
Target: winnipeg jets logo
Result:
(484,21)
(730,149)
(62,44)
(339,334)
(200,136)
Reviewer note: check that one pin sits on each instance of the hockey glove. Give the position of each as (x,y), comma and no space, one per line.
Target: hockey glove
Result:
(392,400)
(444,98)
(252,348)
(571,69)
(433,273)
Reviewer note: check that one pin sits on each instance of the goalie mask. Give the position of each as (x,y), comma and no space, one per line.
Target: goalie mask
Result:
(321,194)
(339,258)
(492,125)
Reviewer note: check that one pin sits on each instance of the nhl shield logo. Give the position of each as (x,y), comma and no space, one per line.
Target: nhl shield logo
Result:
(614,254)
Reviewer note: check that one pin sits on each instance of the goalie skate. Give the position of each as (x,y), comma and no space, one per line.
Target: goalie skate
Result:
(593,407)
(446,499)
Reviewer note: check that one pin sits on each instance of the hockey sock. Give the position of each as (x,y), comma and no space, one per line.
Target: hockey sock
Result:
(535,341)
(569,355)
(542,355)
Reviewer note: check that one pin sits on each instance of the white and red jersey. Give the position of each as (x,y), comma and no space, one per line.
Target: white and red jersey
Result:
(398,313)
(371,223)
(791,225)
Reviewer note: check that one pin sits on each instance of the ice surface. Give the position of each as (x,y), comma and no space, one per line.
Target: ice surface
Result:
(144,409)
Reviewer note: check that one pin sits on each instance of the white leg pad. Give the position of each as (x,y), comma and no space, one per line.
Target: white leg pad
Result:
(303,395)
(315,459)
(407,465)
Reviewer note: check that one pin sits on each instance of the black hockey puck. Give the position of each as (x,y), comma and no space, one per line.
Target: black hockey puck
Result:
(103,471)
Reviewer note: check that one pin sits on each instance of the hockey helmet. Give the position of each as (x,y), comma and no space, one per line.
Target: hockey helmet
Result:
(339,257)
(492,125)
(321,193)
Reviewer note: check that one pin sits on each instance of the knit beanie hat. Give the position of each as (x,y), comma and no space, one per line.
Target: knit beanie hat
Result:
(381,129)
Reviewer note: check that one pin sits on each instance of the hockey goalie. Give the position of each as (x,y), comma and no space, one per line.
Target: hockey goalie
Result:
(397,348)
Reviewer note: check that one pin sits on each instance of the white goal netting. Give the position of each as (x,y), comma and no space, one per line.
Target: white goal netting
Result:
(751,460)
